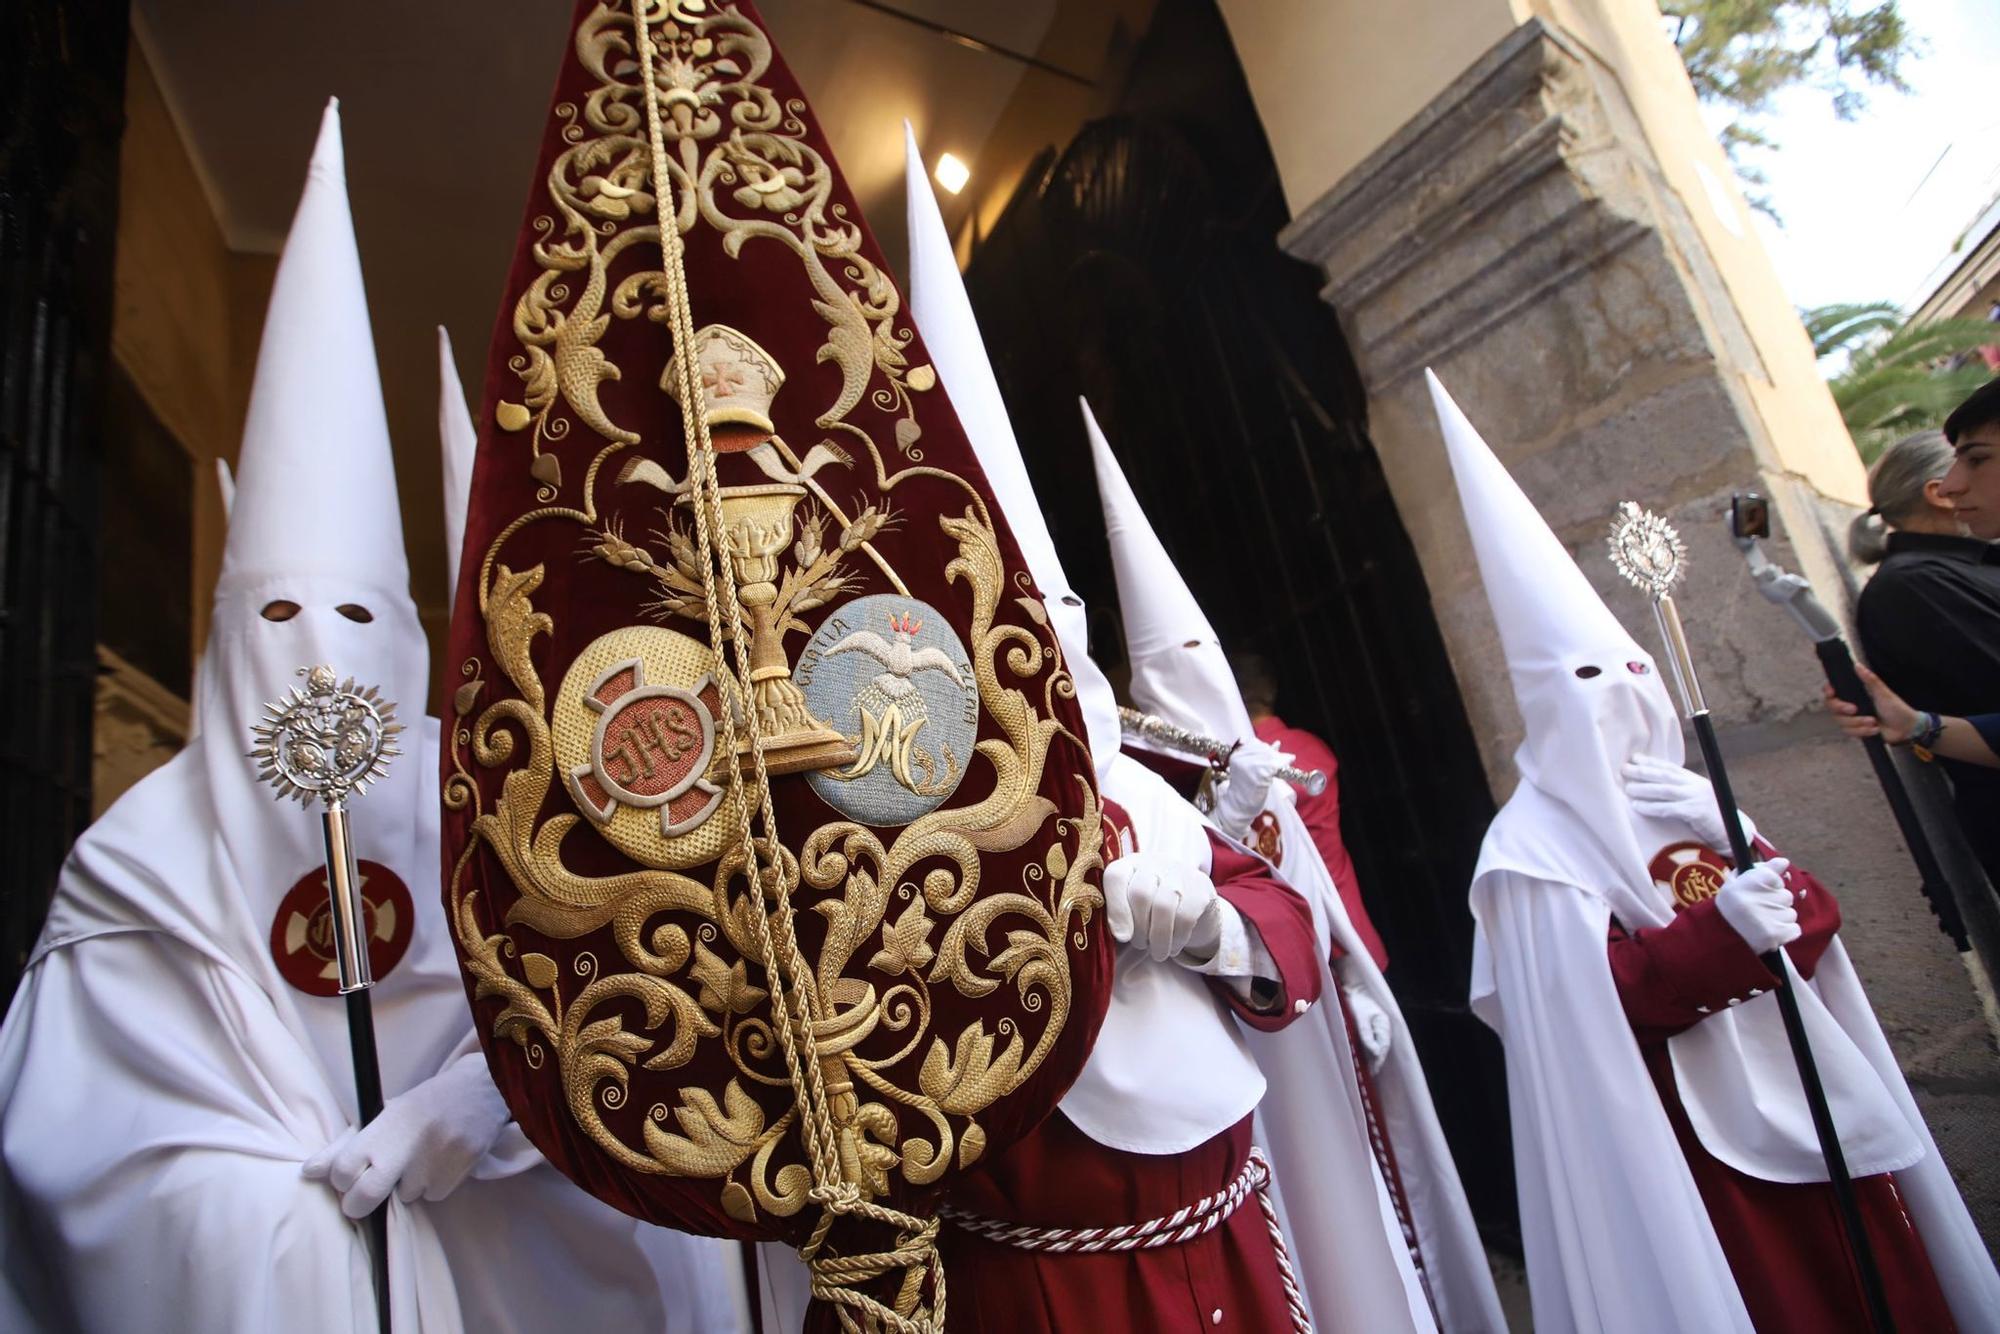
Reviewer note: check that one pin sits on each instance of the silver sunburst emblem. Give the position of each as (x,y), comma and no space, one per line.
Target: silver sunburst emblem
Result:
(328,739)
(1647,550)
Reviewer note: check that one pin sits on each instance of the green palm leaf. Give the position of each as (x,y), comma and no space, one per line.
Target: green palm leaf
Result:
(1899,377)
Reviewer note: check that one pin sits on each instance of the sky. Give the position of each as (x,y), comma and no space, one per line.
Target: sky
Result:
(1873,207)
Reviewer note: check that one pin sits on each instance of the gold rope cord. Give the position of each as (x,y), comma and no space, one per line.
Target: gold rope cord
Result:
(835,1279)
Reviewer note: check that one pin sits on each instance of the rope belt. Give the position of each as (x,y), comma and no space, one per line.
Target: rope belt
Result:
(1182,1225)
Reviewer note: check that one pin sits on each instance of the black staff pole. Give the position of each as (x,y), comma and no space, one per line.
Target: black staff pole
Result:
(328,741)
(1649,553)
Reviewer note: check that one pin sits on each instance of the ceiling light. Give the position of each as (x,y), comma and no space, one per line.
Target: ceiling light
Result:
(952,174)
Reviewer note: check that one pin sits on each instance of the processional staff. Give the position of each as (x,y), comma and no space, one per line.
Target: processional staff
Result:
(1650,554)
(1148,727)
(329,741)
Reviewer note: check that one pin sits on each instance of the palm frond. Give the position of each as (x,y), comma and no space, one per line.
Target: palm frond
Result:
(1898,377)
(1846,324)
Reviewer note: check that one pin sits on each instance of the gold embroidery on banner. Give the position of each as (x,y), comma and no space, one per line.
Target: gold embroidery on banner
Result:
(901,917)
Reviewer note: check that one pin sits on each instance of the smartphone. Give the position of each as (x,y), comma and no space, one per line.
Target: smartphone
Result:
(1749,515)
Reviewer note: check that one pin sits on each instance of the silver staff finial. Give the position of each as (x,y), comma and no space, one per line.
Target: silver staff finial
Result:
(1647,550)
(326,740)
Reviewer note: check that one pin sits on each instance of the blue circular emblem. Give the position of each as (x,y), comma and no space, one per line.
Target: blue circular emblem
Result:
(889,673)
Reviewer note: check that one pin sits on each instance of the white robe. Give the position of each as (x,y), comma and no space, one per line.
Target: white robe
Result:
(159,1091)
(1604,1190)
(1313,1121)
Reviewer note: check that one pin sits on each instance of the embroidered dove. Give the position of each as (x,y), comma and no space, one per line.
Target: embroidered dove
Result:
(899,660)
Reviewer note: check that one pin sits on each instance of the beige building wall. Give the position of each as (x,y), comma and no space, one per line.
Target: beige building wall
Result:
(187,312)
(1334,78)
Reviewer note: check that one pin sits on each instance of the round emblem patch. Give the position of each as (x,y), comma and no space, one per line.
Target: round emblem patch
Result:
(302,930)
(635,737)
(889,673)
(1265,839)
(1690,872)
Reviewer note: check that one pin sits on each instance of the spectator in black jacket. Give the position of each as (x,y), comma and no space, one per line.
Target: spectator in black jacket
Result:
(1929,620)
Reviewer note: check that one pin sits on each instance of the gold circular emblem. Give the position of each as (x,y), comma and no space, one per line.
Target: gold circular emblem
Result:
(636,733)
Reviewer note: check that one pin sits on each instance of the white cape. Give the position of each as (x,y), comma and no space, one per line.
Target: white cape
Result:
(1604,1190)
(1170,1068)
(159,1091)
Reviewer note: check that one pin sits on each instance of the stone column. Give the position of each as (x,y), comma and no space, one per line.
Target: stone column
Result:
(1522,237)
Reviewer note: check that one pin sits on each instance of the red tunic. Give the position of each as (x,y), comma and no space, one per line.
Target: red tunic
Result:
(1227,1279)
(1322,818)
(1784,1242)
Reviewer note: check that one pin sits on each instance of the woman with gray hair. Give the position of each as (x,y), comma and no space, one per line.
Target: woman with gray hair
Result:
(1903,496)
(1929,620)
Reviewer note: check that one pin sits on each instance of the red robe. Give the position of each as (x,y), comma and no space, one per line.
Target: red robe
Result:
(1226,1279)
(1322,818)
(1783,1242)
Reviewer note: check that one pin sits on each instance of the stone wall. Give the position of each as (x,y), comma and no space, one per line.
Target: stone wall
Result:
(1519,236)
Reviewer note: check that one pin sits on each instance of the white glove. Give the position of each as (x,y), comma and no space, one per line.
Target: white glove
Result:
(421,1146)
(1371,1025)
(1759,905)
(1247,787)
(1163,906)
(1666,791)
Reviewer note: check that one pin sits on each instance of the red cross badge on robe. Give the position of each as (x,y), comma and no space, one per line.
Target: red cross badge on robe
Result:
(1266,840)
(1691,872)
(302,928)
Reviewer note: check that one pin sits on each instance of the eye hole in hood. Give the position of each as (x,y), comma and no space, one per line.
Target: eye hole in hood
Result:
(1586,671)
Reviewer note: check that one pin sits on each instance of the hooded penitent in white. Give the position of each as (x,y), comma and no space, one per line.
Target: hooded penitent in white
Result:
(1616,1233)
(1354,1259)
(165,1069)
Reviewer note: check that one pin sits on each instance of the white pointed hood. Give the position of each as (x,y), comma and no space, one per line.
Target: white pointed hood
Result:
(1590,697)
(315,495)
(943,314)
(1179,671)
(458,439)
(316,524)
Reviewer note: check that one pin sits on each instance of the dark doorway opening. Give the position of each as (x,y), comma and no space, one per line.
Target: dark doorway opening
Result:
(1139,266)
(62,103)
